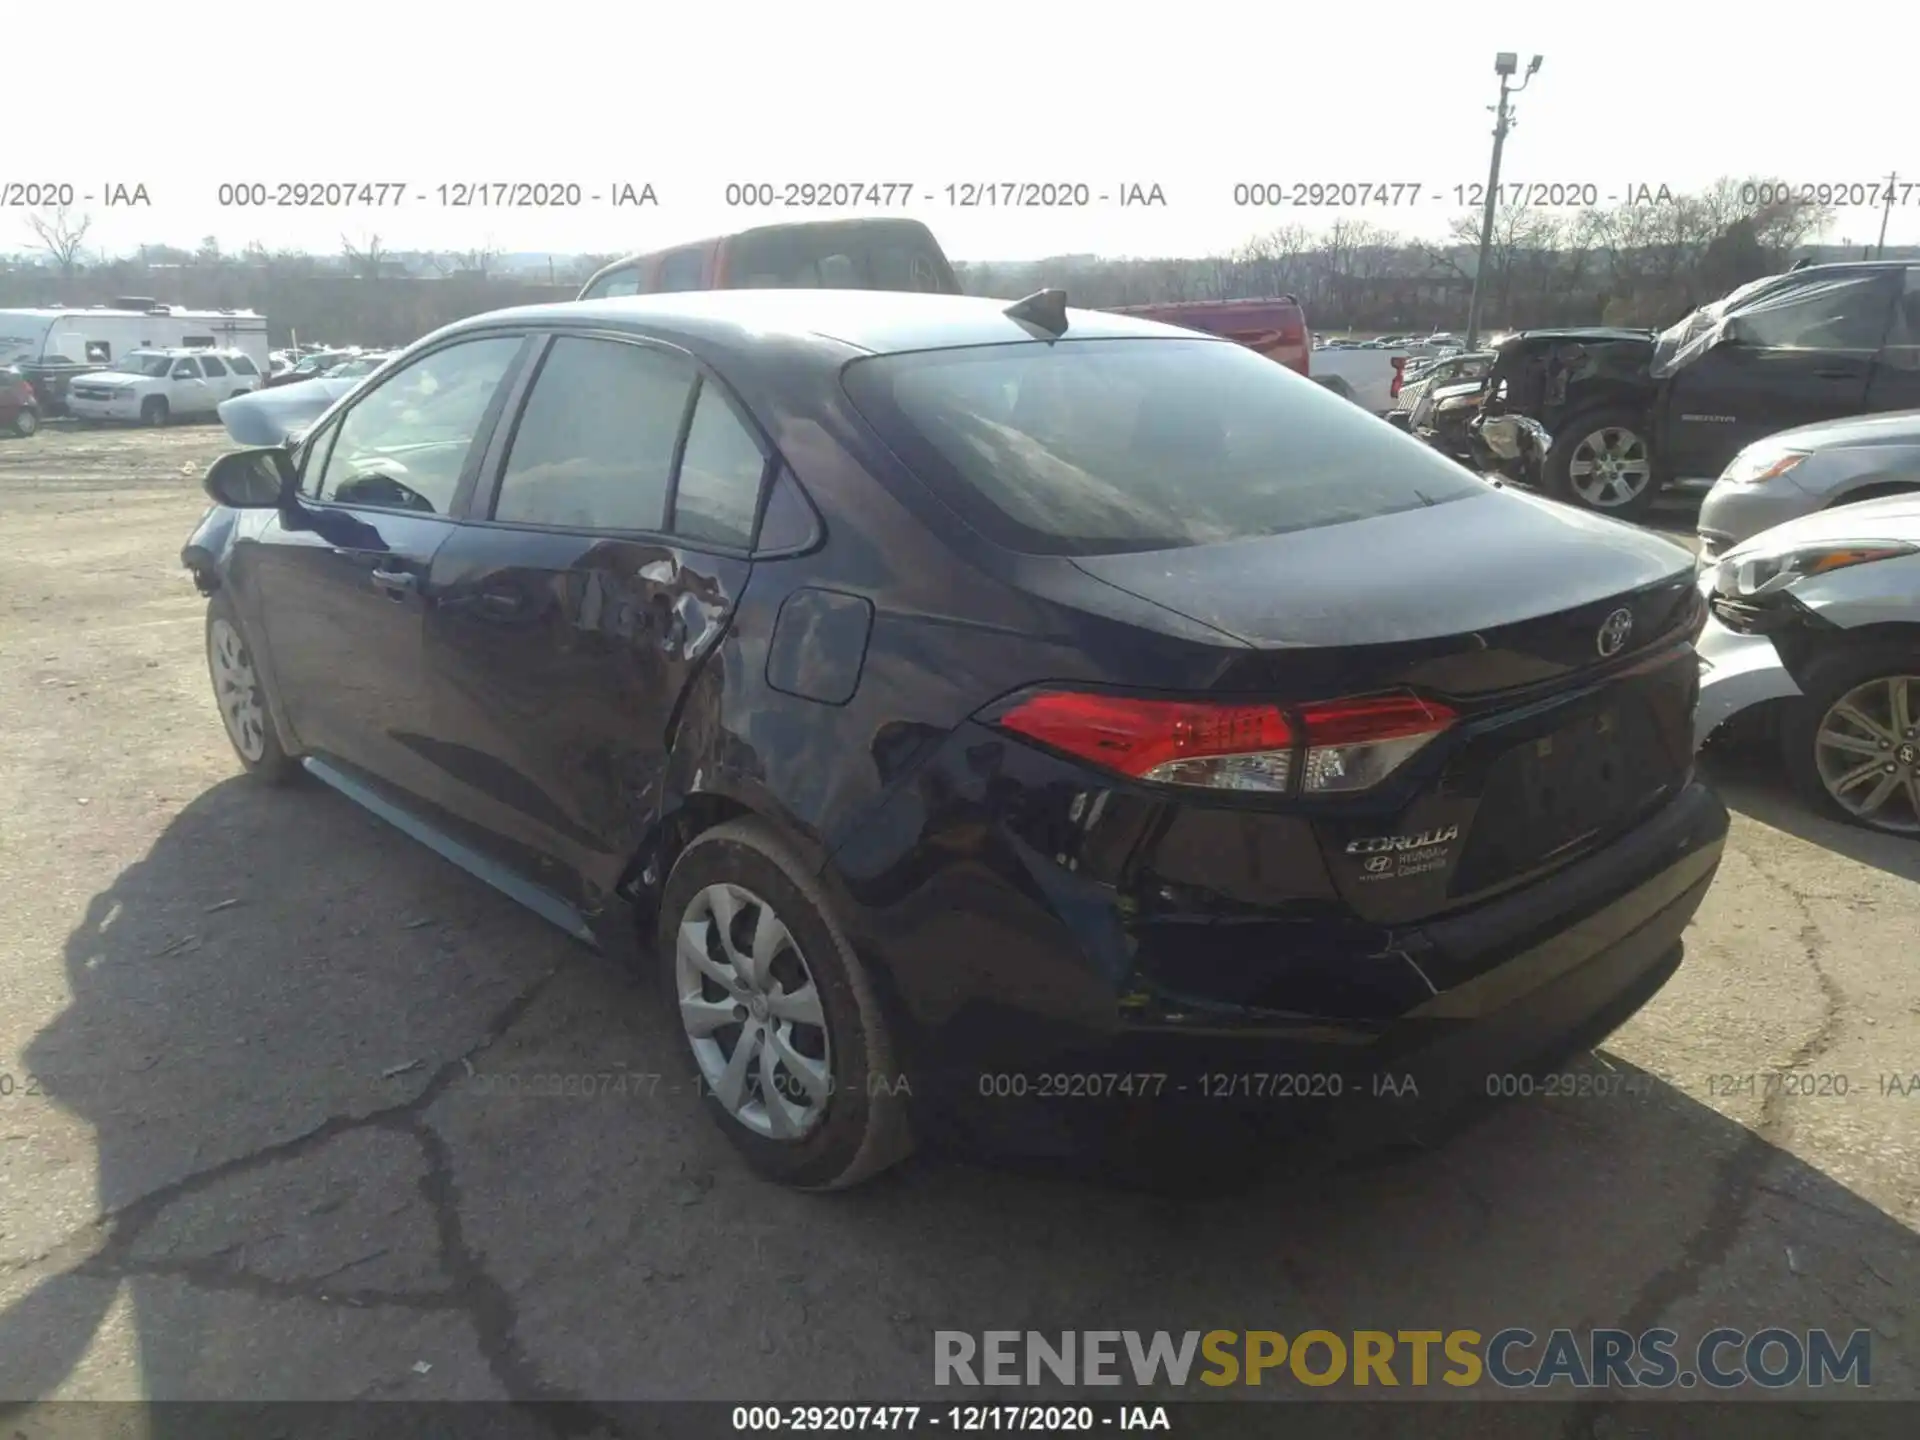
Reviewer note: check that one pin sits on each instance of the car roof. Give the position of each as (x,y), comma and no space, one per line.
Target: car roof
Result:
(879,322)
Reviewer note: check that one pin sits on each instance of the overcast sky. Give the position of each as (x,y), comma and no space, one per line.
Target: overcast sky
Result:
(1191,97)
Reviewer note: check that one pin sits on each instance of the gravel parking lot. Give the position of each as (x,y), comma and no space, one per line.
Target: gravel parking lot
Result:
(264,1134)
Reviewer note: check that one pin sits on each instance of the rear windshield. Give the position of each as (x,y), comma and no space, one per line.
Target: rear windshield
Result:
(857,257)
(1107,446)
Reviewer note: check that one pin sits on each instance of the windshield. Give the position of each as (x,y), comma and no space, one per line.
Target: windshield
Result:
(143,362)
(1106,446)
(365,365)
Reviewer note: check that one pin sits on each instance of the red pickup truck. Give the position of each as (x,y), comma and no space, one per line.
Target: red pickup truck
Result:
(1277,328)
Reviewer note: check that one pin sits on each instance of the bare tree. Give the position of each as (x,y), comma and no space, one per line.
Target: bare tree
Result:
(62,235)
(367,259)
(475,264)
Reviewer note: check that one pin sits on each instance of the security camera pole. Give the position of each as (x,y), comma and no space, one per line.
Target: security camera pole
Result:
(1504,65)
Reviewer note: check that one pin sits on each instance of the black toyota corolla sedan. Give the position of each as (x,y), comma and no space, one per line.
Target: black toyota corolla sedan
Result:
(977,708)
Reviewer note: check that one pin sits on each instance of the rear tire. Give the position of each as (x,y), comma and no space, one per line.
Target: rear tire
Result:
(241,695)
(153,411)
(1602,460)
(1850,751)
(837,1114)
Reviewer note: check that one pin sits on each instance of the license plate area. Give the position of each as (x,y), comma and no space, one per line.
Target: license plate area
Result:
(1572,782)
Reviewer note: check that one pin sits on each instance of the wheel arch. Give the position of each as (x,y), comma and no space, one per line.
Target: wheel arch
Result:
(1874,488)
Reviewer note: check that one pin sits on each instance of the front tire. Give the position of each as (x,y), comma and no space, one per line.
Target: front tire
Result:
(26,423)
(1603,460)
(241,695)
(154,411)
(778,1015)
(1852,745)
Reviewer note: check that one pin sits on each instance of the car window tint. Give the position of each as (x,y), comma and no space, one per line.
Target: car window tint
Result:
(720,475)
(1850,313)
(1102,446)
(243,366)
(594,445)
(682,270)
(404,445)
(1903,336)
(212,366)
(311,459)
(185,370)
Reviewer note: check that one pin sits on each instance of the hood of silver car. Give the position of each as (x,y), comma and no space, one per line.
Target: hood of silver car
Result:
(269,417)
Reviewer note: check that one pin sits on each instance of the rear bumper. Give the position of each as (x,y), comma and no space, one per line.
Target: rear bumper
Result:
(1546,972)
(1737,672)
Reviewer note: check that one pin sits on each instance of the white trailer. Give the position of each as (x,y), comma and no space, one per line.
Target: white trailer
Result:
(101,334)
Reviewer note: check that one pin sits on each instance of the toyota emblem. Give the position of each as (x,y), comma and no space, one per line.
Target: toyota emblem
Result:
(1614,631)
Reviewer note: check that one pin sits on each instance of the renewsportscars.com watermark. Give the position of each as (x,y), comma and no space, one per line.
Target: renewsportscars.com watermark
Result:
(1722,1359)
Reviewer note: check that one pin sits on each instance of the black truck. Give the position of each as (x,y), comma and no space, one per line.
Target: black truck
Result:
(1630,411)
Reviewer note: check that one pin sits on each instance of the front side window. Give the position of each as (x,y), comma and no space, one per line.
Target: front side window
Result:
(1105,446)
(243,366)
(212,366)
(1845,313)
(593,449)
(405,444)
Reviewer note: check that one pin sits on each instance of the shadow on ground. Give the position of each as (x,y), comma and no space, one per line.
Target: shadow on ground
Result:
(308,1052)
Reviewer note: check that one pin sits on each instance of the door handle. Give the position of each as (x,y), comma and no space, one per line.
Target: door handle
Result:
(501,602)
(397,583)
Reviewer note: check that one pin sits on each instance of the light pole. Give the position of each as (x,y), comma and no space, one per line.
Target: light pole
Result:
(1504,64)
(1880,250)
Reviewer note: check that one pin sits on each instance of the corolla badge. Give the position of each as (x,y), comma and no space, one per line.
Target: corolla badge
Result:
(1387,844)
(1614,631)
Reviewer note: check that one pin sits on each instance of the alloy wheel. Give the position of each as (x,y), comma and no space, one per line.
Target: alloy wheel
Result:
(1867,751)
(752,1013)
(1610,468)
(237,688)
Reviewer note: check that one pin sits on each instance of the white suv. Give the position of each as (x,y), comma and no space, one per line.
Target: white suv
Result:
(156,386)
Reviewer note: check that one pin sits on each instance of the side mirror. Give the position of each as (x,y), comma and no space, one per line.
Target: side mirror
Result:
(257,479)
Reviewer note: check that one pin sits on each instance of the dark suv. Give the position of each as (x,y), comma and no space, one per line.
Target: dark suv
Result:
(1633,410)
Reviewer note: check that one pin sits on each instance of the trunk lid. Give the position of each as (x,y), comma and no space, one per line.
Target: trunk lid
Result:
(1573,721)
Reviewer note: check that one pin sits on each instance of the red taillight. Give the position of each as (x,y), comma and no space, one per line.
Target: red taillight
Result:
(1337,746)
(1353,744)
(1399,376)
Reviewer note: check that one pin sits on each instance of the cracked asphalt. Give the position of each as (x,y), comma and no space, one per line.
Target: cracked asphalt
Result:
(269,1127)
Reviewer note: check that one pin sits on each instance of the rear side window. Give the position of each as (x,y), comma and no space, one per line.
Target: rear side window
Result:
(1105,446)
(186,369)
(720,475)
(243,366)
(594,446)
(682,270)
(851,257)
(212,366)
